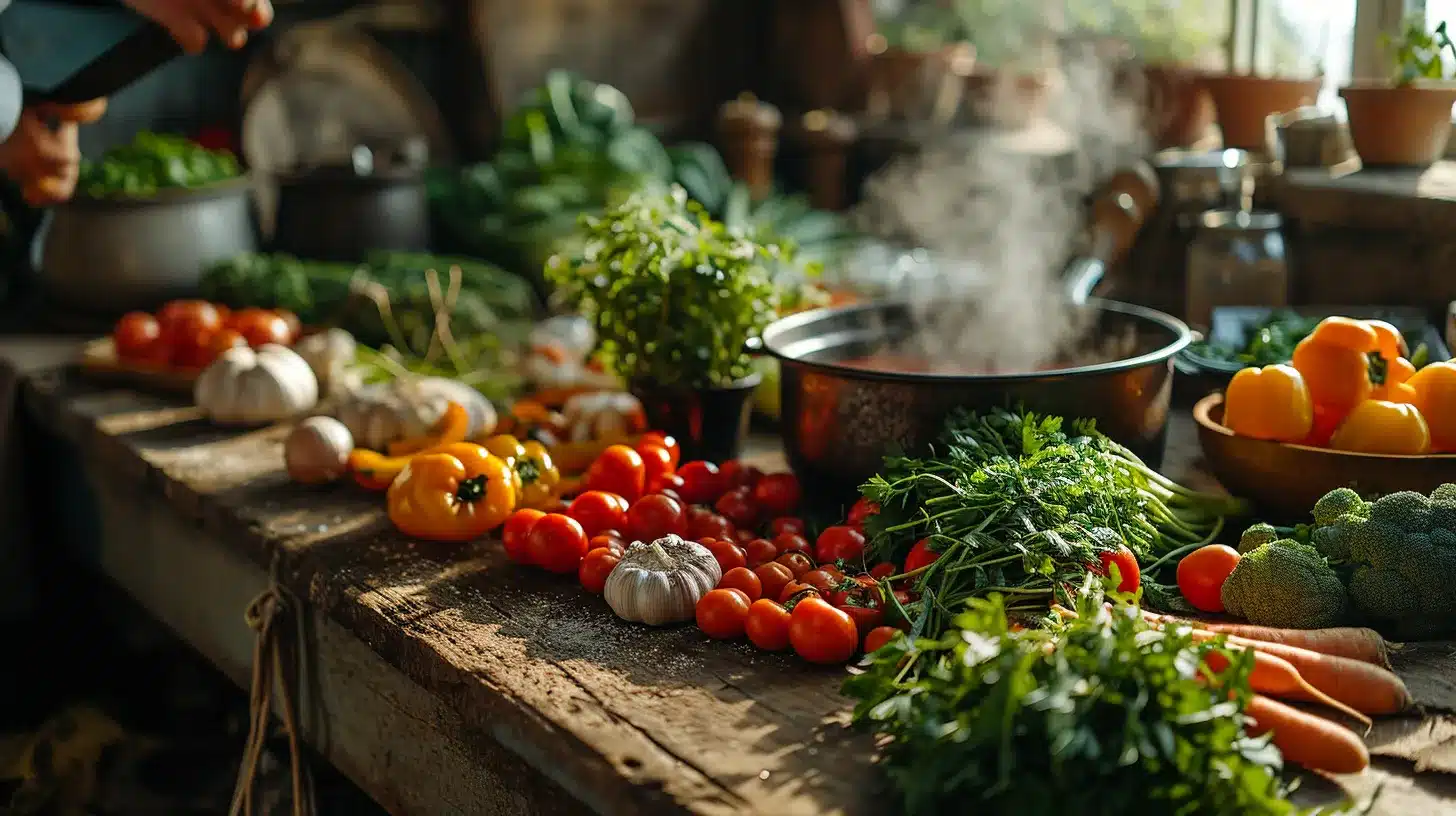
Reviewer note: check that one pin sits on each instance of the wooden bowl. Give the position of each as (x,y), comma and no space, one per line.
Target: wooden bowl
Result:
(1286,480)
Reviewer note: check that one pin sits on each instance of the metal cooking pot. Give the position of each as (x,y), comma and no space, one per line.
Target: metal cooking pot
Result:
(342,212)
(106,256)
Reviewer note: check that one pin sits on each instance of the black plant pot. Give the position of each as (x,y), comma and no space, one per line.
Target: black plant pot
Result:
(708,423)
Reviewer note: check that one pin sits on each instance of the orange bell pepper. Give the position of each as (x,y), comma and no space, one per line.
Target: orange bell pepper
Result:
(460,493)
(1269,403)
(1378,426)
(452,427)
(1435,397)
(1393,374)
(1388,340)
(1335,362)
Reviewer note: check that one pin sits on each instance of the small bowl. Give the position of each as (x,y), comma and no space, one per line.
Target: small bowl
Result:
(1286,480)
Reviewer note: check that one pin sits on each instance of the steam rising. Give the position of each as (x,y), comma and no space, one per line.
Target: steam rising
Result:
(1000,215)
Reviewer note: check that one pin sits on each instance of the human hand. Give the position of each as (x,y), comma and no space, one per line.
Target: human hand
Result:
(191,22)
(43,155)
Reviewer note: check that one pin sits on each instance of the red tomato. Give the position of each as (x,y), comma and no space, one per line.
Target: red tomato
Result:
(261,326)
(666,481)
(820,633)
(793,588)
(920,556)
(767,626)
(722,613)
(221,341)
(515,532)
(774,577)
(674,495)
(702,483)
(736,475)
(882,571)
(879,636)
(787,524)
(595,567)
(598,510)
(743,537)
(738,507)
(839,543)
(792,542)
(1130,576)
(861,591)
(760,551)
(865,617)
(797,562)
(295,326)
(704,523)
(1202,572)
(777,494)
(667,443)
(185,319)
(602,541)
(726,553)
(743,580)
(652,517)
(862,509)
(619,470)
(136,335)
(821,579)
(556,543)
(191,350)
(656,461)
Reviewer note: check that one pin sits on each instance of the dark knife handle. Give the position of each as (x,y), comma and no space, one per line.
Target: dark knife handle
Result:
(129,60)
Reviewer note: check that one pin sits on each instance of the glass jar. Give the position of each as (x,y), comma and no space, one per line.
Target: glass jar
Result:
(1236,258)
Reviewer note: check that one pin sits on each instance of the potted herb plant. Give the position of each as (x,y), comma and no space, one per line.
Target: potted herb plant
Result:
(1244,103)
(912,45)
(676,299)
(1406,121)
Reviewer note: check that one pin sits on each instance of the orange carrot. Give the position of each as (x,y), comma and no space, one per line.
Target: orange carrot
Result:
(1365,645)
(1308,739)
(1361,686)
(1275,676)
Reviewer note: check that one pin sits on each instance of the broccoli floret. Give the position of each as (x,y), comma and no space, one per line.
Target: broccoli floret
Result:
(1446,494)
(1406,510)
(1443,508)
(1334,540)
(1405,576)
(1336,503)
(1257,536)
(1383,595)
(1288,585)
(1377,544)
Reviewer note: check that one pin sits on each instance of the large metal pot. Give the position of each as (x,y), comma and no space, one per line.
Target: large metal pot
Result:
(839,420)
(105,256)
(343,212)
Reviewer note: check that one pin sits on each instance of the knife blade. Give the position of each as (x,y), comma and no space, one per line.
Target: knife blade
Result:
(67,53)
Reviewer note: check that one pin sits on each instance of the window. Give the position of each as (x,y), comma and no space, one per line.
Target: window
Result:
(1305,38)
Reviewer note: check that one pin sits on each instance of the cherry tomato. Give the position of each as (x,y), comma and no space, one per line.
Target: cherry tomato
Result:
(767,626)
(1202,572)
(820,633)
(760,551)
(515,532)
(882,571)
(556,543)
(261,326)
(295,326)
(743,580)
(652,517)
(619,470)
(797,562)
(862,591)
(737,506)
(777,494)
(136,334)
(667,443)
(736,475)
(727,554)
(787,524)
(702,483)
(674,495)
(595,567)
(665,481)
(865,617)
(221,341)
(773,577)
(920,556)
(1130,575)
(879,636)
(185,319)
(793,588)
(191,350)
(821,579)
(656,461)
(839,543)
(704,523)
(744,536)
(598,510)
(862,509)
(602,541)
(792,542)
(722,613)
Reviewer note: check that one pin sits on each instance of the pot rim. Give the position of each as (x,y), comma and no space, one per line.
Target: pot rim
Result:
(1229,76)
(1183,337)
(1445,86)
(228,188)
(747,383)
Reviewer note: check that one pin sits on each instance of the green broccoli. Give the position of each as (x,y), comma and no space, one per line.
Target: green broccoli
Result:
(1333,540)
(1337,503)
(1257,536)
(1405,563)
(1407,511)
(1288,585)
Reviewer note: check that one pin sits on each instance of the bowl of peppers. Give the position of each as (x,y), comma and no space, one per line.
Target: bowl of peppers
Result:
(1350,409)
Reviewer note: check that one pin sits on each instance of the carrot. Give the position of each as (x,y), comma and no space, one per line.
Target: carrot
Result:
(1308,739)
(1355,643)
(1361,686)
(1276,677)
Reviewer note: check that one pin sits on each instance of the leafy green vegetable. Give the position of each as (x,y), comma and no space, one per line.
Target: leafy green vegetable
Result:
(674,295)
(1270,342)
(152,162)
(1098,715)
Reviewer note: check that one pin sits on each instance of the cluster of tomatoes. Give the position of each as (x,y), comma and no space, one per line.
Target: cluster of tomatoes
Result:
(190,334)
(779,589)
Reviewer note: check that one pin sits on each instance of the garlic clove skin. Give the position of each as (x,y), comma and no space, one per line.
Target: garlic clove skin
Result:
(660,582)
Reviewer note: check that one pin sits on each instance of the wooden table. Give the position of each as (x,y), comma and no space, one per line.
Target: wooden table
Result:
(444,680)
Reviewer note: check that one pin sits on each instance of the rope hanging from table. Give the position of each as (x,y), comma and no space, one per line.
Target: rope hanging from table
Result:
(275,662)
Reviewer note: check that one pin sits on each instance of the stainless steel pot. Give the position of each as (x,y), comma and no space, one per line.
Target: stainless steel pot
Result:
(343,212)
(113,255)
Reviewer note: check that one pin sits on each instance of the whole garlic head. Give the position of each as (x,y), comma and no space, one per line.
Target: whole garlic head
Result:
(603,416)
(244,386)
(661,582)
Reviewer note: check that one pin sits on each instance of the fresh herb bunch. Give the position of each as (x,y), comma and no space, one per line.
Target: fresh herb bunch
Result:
(1015,505)
(1418,53)
(674,295)
(152,162)
(1270,342)
(1101,714)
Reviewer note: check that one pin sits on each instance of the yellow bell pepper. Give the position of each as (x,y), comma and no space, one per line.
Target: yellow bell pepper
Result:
(1435,396)
(1335,362)
(1269,403)
(459,493)
(1394,375)
(1378,426)
(452,427)
(535,475)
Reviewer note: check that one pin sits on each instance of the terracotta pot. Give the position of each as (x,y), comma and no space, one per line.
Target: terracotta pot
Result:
(1011,100)
(1244,103)
(1179,108)
(903,79)
(1405,126)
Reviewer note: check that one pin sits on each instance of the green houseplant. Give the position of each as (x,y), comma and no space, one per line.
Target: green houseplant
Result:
(676,298)
(1407,120)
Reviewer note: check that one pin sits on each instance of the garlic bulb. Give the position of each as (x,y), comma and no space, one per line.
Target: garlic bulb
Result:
(317,451)
(329,353)
(603,416)
(660,582)
(409,407)
(244,386)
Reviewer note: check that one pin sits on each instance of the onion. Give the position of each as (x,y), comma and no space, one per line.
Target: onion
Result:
(317,451)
